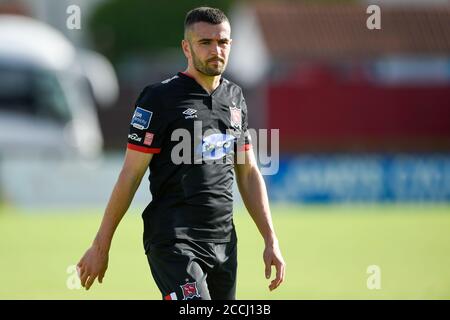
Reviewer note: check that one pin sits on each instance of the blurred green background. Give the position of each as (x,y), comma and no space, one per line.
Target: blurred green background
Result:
(327,249)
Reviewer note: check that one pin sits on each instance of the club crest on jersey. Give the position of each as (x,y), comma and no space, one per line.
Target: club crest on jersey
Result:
(235,117)
(141,118)
(190,290)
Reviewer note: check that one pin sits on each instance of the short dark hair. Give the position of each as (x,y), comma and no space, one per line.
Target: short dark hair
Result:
(204,14)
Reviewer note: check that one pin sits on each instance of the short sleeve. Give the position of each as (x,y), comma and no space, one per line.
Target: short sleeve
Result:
(244,142)
(147,127)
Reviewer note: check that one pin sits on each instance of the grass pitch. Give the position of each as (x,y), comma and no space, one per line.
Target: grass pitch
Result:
(327,249)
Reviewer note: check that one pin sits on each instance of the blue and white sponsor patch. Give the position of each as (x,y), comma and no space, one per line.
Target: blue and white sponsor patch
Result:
(141,118)
(215,146)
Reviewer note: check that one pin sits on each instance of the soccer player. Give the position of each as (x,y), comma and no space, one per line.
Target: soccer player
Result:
(189,235)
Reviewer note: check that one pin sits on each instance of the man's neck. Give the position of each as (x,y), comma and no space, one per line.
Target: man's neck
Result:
(209,83)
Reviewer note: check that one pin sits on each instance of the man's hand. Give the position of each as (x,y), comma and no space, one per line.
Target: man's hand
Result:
(272,257)
(95,261)
(92,265)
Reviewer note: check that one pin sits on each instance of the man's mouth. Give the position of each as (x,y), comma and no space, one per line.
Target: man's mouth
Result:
(216,60)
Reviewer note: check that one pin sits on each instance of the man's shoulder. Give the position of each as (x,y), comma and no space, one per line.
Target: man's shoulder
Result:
(162,86)
(156,92)
(231,84)
(234,88)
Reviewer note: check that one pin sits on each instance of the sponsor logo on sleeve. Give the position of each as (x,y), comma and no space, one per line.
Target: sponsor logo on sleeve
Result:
(141,118)
(148,138)
(134,137)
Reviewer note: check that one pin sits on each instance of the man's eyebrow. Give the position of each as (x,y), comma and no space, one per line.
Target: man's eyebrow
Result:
(206,39)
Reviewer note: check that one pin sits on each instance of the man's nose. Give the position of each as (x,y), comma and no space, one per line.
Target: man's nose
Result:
(215,49)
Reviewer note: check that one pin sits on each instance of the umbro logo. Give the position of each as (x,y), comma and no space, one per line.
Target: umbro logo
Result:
(190,113)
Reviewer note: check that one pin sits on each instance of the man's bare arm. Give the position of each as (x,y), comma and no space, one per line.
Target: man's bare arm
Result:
(95,261)
(254,194)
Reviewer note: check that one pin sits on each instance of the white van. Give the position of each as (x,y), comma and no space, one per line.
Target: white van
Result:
(48,91)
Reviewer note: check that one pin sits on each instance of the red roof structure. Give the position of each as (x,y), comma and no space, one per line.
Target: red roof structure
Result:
(334,31)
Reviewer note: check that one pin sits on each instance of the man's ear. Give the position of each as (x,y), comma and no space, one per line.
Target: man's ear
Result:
(186,48)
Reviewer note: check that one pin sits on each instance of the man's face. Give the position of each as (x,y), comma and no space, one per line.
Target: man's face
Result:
(208,47)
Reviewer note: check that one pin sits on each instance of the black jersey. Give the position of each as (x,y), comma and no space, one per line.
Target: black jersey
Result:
(194,137)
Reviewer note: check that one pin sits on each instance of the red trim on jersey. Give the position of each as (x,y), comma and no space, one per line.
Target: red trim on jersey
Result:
(245,147)
(171,296)
(143,149)
(187,75)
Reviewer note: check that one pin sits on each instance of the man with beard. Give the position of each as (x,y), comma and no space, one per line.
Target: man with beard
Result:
(189,234)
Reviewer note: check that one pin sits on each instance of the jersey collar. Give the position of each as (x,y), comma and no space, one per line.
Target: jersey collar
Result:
(185,76)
